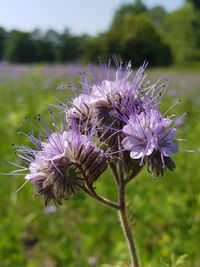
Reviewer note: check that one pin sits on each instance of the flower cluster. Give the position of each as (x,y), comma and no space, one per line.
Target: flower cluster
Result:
(63,164)
(127,112)
(113,121)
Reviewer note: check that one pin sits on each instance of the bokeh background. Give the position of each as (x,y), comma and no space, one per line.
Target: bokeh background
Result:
(43,47)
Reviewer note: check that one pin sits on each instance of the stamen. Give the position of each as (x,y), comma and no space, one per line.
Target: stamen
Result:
(175,104)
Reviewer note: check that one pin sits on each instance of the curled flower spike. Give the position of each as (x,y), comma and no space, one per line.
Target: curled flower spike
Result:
(85,155)
(55,180)
(62,164)
(50,170)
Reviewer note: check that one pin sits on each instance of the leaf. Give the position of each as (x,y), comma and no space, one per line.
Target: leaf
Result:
(180,261)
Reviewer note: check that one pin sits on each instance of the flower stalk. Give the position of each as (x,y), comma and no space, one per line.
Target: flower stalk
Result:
(91,192)
(127,228)
(122,211)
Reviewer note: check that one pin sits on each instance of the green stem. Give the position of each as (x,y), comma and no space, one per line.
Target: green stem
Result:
(123,211)
(91,192)
(127,229)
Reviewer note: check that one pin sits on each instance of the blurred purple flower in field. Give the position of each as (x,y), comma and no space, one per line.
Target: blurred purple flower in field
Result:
(93,261)
(13,71)
(50,209)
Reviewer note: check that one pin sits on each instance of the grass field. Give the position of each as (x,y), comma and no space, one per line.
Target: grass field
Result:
(82,233)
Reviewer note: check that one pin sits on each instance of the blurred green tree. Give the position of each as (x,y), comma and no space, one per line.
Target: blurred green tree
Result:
(195,3)
(141,41)
(95,47)
(70,47)
(133,36)
(19,47)
(182,29)
(136,33)
(137,39)
(128,10)
(3,36)
(157,15)
(47,46)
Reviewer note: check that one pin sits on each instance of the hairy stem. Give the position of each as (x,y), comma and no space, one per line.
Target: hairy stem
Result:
(126,228)
(123,211)
(89,189)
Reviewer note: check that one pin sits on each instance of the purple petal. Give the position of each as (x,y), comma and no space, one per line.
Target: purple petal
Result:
(137,155)
(168,135)
(168,149)
(132,143)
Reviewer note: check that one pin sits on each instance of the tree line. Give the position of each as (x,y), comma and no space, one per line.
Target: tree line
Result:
(136,33)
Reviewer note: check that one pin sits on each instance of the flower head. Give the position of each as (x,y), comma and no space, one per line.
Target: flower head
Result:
(148,136)
(54,147)
(125,107)
(80,109)
(62,164)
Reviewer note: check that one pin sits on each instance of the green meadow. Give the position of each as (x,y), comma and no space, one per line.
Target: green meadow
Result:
(165,213)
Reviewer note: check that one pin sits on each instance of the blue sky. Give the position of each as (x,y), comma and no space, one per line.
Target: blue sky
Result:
(80,16)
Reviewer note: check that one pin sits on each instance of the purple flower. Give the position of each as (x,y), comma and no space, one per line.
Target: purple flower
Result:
(81,108)
(99,101)
(62,164)
(119,90)
(54,148)
(110,101)
(147,134)
(37,168)
(126,100)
